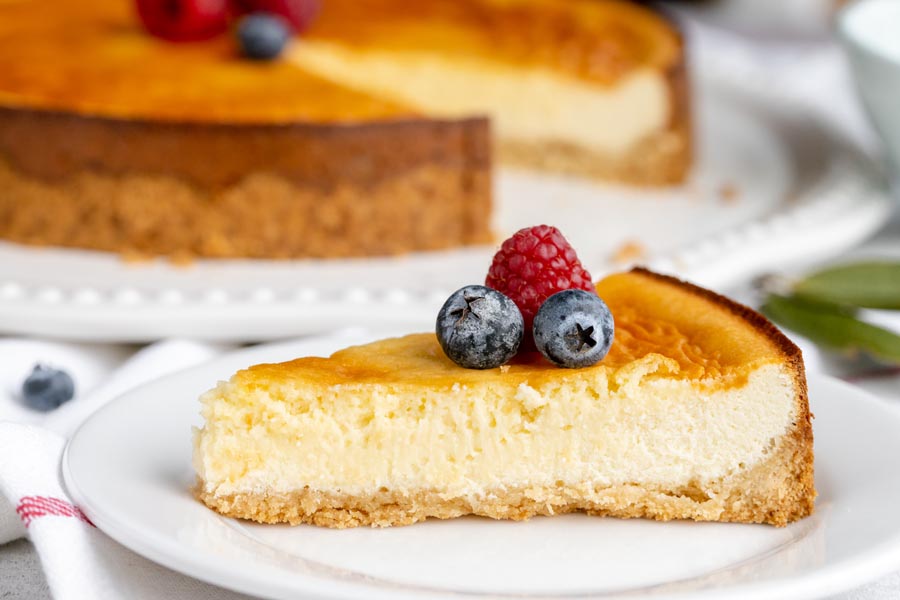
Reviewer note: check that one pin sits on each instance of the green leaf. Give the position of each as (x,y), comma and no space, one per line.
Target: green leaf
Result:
(832,326)
(864,284)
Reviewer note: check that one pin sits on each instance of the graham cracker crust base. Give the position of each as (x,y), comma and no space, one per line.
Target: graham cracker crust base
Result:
(219,190)
(262,215)
(663,158)
(777,491)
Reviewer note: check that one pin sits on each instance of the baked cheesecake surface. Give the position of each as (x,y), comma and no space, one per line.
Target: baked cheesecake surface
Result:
(94,57)
(601,84)
(698,411)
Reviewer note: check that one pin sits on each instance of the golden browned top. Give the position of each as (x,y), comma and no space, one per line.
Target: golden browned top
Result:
(707,336)
(93,57)
(597,40)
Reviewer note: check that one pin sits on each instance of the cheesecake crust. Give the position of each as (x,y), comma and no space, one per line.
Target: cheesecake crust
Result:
(663,158)
(261,216)
(259,191)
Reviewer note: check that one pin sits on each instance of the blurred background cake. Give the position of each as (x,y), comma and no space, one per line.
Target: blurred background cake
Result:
(372,133)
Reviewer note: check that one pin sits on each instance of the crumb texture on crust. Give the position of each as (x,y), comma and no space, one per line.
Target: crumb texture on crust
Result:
(776,492)
(662,158)
(263,215)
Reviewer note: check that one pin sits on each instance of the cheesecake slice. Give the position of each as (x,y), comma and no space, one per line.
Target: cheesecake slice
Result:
(699,411)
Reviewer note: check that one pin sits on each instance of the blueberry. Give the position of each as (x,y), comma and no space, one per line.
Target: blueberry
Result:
(46,388)
(263,36)
(479,328)
(573,329)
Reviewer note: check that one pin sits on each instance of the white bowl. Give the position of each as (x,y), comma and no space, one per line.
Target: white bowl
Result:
(870,33)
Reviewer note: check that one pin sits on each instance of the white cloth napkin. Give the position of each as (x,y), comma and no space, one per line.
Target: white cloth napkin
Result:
(78,560)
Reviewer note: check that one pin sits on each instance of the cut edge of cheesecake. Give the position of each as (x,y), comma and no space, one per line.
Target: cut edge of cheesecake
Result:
(636,130)
(776,489)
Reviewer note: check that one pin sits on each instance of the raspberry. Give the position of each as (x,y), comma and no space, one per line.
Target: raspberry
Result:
(531,266)
(184,20)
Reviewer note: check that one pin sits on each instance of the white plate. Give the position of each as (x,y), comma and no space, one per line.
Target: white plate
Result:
(803,193)
(129,468)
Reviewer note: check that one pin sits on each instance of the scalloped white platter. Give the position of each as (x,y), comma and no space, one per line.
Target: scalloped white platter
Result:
(129,468)
(798,192)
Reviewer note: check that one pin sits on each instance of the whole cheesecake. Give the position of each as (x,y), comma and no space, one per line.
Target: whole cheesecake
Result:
(699,411)
(369,137)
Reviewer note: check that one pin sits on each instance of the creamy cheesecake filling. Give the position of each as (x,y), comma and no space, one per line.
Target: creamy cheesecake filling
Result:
(534,105)
(611,428)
